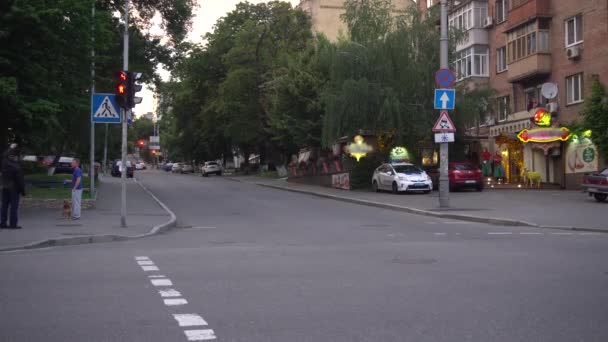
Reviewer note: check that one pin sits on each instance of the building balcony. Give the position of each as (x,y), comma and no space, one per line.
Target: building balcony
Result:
(532,66)
(527,10)
(474,36)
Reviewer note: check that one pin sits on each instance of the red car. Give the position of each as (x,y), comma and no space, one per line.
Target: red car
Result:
(464,175)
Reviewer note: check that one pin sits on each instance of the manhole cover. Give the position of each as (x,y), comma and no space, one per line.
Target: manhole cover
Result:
(413,261)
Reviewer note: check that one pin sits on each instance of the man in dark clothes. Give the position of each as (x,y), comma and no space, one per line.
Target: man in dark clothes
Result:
(13,185)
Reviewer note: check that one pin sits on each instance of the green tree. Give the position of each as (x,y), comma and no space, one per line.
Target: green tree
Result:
(595,116)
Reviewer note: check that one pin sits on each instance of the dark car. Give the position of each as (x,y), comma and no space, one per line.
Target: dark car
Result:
(464,175)
(116,172)
(64,165)
(596,185)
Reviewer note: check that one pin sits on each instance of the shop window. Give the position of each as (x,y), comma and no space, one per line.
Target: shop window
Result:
(501,59)
(574,30)
(502,107)
(574,89)
(527,40)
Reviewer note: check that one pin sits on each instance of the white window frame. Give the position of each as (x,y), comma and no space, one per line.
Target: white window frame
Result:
(578,36)
(573,82)
(470,60)
(469,17)
(501,59)
(505,8)
(502,114)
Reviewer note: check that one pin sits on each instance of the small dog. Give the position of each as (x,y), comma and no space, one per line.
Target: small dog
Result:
(67,209)
(531,178)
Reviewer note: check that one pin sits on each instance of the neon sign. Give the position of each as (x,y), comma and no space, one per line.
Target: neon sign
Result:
(399,153)
(544,134)
(542,118)
(358,148)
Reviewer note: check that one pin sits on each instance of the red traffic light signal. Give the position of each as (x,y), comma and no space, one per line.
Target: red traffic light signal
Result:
(121,90)
(154,152)
(141,143)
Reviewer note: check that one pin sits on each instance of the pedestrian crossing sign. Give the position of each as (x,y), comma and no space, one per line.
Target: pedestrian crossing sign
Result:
(104,109)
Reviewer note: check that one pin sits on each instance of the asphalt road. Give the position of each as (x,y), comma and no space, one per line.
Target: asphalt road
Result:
(255,264)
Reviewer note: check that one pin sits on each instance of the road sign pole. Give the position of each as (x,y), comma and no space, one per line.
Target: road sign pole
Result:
(123,173)
(92,151)
(444,182)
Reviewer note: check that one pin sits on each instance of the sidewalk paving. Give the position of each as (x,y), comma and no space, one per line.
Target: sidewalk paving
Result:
(143,213)
(545,208)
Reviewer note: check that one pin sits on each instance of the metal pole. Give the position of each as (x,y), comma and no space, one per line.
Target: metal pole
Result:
(105,151)
(444,182)
(125,115)
(92,151)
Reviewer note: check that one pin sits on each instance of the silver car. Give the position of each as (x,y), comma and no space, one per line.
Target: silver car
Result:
(176,168)
(186,168)
(211,168)
(398,177)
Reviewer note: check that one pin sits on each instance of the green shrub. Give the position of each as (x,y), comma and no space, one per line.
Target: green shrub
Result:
(361,176)
(30,168)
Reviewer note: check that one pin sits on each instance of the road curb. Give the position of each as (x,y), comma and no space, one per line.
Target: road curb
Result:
(90,239)
(461,217)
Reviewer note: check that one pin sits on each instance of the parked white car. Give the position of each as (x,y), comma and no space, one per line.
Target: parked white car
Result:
(176,167)
(140,166)
(186,168)
(210,168)
(401,177)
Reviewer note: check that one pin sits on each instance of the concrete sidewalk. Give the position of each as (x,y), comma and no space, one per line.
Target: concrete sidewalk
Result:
(46,227)
(542,208)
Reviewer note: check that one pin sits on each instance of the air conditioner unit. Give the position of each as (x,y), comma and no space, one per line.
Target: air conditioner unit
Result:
(488,22)
(552,107)
(573,52)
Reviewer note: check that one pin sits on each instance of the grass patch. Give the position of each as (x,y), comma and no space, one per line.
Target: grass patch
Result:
(55,188)
(269,174)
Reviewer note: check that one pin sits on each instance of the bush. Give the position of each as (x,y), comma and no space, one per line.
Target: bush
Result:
(361,176)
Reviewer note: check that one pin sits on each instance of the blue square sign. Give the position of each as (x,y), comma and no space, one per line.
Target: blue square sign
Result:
(445,98)
(104,109)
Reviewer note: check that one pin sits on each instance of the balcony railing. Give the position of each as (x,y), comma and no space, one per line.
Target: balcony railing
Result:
(526,10)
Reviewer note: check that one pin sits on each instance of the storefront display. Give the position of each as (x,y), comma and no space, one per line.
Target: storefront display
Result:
(581,156)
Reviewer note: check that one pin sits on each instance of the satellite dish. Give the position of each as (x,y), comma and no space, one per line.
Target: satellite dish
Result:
(549,90)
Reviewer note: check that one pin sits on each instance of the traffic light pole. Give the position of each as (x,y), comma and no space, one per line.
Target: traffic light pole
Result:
(92,151)
(444,182)
(125,115)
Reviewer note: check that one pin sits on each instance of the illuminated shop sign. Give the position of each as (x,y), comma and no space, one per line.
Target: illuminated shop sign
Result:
(544,134)
(358,148)
(542,118)
(399,153)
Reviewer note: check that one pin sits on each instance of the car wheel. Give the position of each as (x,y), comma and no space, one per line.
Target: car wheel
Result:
(375,186)
(479,188)
(426,192)
(219,173)
(600,197)
(395,188)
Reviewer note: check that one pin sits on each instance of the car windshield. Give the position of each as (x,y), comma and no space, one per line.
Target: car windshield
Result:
(407,169)
(464,167)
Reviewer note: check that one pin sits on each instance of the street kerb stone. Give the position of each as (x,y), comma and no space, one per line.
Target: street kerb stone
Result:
(461,217)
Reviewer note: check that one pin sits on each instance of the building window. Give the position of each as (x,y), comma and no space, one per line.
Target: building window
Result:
(470,16)
(501,10)
(526,41)
(503,107)
(429,3)
(534,98)
(574,89)
(574,30)
(501,59)
(472,62)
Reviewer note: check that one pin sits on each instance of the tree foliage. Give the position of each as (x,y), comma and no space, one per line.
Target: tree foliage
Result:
(595,114)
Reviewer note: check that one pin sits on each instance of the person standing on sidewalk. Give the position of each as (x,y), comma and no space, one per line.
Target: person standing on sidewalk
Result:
(76,182)
(13,185)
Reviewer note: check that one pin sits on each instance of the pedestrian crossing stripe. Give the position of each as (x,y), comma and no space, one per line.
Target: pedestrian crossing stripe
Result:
(106,110)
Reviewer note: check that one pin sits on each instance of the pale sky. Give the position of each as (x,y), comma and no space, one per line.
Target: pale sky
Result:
(205,16)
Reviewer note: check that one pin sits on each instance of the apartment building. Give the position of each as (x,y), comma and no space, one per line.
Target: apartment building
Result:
(517,46)
(325,15)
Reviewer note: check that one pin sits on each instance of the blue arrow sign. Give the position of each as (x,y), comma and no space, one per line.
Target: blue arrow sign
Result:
(445,98)
(105,109)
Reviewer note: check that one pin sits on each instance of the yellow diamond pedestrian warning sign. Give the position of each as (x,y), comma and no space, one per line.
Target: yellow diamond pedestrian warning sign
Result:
(105,109)
(444,124)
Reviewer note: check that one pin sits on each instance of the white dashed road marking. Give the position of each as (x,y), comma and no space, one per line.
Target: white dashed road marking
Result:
(500,233)
(175,301)
(440,234)
(562,233)
(173,298)
(200,335)
(189,320)
(161,282)
(530,233)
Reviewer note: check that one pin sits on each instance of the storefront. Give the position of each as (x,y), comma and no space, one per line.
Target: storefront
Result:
(581,157)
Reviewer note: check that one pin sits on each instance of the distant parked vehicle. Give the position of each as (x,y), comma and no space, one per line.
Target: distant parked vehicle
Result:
(140,166)
(176,167)
(464,175)
(401,177)
(167,167)
(596,185)
(186,168)
(211,168)
(117,170)
(64,165)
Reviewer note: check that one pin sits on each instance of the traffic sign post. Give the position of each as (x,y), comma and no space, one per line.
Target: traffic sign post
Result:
(445,98)
(445,78)
(105,109)
(441,138)
(444,124)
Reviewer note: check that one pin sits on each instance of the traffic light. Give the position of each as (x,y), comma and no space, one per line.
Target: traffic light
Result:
(153,152)
(121,89)
(133,88)
(141,143)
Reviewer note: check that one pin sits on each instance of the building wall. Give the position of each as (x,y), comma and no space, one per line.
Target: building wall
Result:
(593,63)
(325,15)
